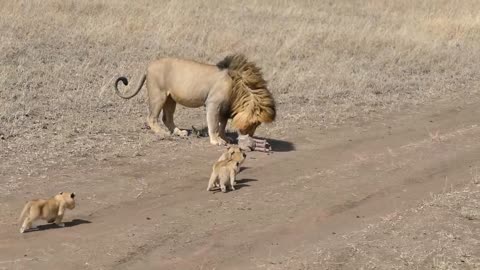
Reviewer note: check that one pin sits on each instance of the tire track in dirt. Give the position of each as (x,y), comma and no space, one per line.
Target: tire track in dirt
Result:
(452,153)
(289,202)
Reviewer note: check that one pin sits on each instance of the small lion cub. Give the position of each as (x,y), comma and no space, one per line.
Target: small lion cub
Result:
(233,153)
(223,174)
(51,210)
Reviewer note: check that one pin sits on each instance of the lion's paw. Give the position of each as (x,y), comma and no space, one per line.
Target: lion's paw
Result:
(180,132)
(218,141)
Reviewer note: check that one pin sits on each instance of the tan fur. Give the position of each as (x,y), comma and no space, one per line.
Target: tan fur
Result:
(234,88)
(223,174)
(234,153)
(251,101)
(51,210)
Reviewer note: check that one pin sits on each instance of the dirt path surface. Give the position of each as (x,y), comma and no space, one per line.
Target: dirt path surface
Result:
(152,212)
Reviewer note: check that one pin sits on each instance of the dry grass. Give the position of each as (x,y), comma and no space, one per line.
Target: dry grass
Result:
(326,61)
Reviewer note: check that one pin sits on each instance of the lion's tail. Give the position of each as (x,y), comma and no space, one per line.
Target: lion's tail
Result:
(249,90)
(26,208)
(125,82)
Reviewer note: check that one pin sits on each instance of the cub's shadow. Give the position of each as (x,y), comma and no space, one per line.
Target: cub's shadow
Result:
(241,183)
(243,169)
(277,145)
(50,226)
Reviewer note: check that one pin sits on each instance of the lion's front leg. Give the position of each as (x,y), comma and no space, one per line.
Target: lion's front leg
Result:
(213,115)
(222,127)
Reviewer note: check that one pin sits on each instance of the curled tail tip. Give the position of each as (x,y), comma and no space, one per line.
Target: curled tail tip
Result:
(123,79)
(125,82)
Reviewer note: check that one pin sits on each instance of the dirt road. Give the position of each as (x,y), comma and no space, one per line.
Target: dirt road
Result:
(152,212)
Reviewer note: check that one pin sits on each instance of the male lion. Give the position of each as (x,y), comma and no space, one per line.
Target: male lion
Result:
(232,89)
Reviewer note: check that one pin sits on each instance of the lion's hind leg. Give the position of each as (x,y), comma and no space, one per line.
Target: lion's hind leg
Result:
(167,117)
(156,101)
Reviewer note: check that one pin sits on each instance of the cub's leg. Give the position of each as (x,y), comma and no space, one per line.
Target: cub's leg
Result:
(232,179)
(223,187)
(211,182)
(61,212)
(27,224)
(32,215)
(58,221)
(167,117)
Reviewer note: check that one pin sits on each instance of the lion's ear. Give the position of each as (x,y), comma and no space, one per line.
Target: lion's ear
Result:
(61,193)
(72,195)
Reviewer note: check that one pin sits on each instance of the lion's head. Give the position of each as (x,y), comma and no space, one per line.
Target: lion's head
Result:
(251,103)
(68,198)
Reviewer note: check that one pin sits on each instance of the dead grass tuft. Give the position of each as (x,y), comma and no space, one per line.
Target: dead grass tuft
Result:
(325,62)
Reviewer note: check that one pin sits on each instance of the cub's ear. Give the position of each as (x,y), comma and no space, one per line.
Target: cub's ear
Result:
(72,195)
(61,193)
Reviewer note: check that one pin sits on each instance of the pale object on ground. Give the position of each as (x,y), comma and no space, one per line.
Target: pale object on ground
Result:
(247,143)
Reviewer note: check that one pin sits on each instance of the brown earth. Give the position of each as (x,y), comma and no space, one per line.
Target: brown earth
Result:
(313,195)
(357,180)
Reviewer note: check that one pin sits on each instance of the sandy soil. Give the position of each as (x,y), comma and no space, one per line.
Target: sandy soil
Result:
(314,193)
(357,181)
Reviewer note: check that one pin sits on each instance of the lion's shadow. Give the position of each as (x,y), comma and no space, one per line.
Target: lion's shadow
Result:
(277,145)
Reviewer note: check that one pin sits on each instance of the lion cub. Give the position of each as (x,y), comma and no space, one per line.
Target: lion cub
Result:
(233,152)
(51,210)
(226,168)
(223,174)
